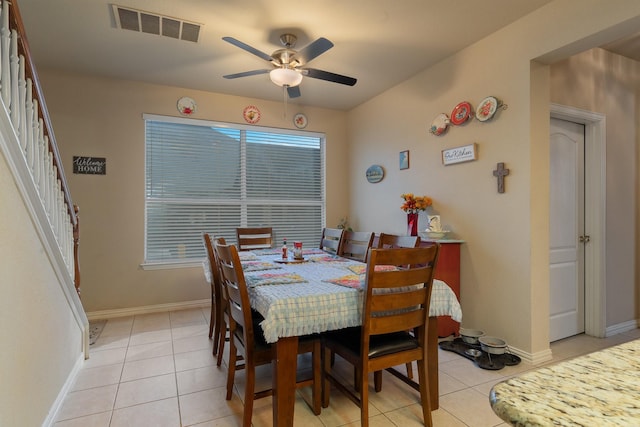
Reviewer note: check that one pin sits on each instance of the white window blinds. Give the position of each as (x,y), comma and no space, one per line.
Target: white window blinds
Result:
(214,177)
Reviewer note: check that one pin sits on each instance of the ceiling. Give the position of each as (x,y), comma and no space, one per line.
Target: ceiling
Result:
(379,42)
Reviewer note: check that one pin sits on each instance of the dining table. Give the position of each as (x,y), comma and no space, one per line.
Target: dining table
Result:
(321,292)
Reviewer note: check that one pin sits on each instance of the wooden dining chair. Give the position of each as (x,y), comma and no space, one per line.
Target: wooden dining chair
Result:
(395,301)
(249,238)
(355,245)
(248,342)
(331,239)
(217,323)
(395,241)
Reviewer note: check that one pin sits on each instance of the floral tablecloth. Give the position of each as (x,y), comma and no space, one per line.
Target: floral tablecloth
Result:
(314,304)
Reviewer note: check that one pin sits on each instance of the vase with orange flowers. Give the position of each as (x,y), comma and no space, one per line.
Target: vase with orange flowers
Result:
(412,206)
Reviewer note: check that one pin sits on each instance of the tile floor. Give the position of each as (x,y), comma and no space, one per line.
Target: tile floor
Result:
(157,370)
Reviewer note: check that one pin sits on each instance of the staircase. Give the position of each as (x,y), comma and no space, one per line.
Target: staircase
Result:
(44,332)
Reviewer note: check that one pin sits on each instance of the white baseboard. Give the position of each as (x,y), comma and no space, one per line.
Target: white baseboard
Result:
(159,308)
(532,358)
(66,388)
(621,327)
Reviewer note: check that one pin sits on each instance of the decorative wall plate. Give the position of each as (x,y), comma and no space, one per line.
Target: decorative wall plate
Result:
(251,114)
(487,108)
(186,106)
(300,120)
(461,113)
(439,124)
(375,173)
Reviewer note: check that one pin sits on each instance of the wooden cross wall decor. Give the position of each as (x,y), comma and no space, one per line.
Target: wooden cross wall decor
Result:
(500,173)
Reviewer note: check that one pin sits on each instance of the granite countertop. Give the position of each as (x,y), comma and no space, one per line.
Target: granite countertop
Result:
(597,389)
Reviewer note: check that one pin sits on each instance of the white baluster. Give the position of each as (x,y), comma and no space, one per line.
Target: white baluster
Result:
(54,204)
(15,118)
(36,133)
(61,217)
(42,156)
(69,250)
(46,185)
(4,47)
(29,122)
(50,188)
(22,89)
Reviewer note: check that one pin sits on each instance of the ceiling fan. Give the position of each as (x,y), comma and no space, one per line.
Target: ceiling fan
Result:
(289,64)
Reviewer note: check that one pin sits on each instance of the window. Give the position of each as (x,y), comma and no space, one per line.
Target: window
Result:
(214,177)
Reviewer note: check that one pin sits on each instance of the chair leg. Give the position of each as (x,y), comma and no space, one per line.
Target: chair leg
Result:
(249,392)
(216,336)
(316,393)
(377,381)
(424,392)
(326,369)
(221,340)
(364,399)
(212,321)
(409,370)
(231,369)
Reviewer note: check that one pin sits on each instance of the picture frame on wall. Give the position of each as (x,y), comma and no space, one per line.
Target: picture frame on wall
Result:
(404,160)
(465,153)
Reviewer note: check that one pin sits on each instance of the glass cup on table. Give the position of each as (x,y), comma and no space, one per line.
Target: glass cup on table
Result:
(297,250)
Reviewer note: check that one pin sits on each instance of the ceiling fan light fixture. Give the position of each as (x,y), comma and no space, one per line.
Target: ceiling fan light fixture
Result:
(285,77)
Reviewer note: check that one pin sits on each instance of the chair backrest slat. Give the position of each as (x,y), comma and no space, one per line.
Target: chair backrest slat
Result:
(212,262)
(249,238)
(331,239)
(396,241)
(356,245)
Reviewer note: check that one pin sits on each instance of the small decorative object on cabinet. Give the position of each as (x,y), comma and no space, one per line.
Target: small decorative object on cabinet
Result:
(412,224)
(412,205)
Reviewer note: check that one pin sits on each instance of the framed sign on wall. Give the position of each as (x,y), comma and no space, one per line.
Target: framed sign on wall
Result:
(404,160)
(465,153)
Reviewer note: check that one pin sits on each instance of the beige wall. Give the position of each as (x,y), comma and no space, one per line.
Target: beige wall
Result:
(505,257)
(40,338)
(103,118)
(600,81)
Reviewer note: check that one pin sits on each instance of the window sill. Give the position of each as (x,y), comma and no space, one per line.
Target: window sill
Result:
(170,265)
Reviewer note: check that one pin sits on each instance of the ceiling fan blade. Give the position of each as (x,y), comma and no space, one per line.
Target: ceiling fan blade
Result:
(331,77)
(248,48)
(314,49)
(293,91)
(246,74)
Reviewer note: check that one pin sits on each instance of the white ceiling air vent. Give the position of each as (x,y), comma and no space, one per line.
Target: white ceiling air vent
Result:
(152,23)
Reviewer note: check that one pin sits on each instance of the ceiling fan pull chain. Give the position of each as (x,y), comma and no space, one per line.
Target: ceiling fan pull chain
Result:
(285,96)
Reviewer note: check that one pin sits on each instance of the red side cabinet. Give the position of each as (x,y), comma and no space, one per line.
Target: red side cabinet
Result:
(448,270)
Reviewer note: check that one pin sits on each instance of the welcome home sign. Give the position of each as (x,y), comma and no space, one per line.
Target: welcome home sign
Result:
(90,165)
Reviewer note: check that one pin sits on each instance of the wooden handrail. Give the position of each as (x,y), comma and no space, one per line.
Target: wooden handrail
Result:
(15,22)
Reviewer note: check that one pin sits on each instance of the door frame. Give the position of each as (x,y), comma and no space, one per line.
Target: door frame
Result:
(595,213)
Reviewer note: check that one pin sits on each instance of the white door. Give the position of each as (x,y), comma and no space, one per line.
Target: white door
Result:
(566,230)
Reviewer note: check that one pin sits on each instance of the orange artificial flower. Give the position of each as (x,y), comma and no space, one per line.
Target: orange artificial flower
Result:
(413,204)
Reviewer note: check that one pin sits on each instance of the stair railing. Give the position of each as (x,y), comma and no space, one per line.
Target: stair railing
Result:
(31,144)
